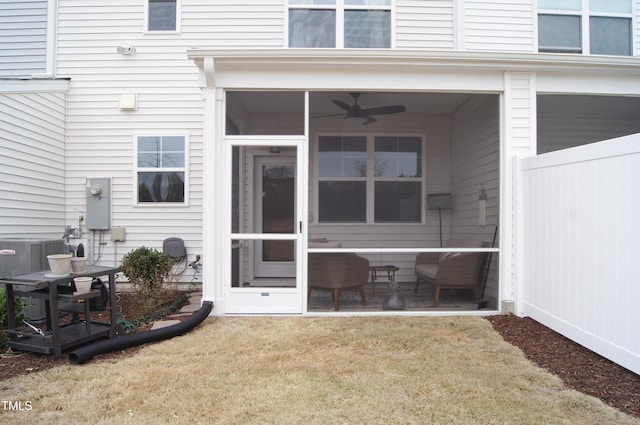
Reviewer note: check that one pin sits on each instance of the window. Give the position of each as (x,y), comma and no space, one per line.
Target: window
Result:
(160,169)
(162,15)
(364,179)
(599,27)
(398,179)
(340,23)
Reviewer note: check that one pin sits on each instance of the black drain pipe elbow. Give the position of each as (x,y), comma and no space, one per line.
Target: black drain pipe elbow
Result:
(86,353)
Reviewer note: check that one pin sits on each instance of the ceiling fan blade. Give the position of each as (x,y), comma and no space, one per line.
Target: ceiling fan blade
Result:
(381,110)
(341,104)
(329,115)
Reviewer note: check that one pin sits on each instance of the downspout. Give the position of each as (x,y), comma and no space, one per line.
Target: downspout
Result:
(86,353)
(51,41)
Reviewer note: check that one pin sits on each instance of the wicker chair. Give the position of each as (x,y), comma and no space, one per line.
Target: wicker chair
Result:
(336,272)
(451,270)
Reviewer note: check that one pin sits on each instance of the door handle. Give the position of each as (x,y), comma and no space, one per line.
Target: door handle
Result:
(300,226)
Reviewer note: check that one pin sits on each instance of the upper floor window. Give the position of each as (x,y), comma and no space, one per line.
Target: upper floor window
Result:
(598,27)
(162,15)
(340,23)
(161,169)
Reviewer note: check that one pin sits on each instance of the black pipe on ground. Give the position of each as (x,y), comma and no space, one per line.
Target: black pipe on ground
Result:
(86,353)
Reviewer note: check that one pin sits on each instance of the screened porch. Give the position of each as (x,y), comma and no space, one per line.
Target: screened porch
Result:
(381,176)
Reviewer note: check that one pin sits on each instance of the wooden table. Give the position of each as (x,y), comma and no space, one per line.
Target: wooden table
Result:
(390,270)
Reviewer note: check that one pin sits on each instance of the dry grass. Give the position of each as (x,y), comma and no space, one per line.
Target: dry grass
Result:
(257,370)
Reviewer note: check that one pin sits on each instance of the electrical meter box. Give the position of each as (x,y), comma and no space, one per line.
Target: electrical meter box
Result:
(98,203)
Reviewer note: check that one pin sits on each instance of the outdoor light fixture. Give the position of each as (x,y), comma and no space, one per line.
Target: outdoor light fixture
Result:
(439,201)
(126,50)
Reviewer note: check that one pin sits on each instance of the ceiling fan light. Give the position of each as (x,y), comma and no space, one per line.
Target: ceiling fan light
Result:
(356,119)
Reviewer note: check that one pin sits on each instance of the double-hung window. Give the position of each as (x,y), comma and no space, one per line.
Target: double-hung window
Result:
(161,171)
(598,27)
(162,15)
(340,23)
(369,179)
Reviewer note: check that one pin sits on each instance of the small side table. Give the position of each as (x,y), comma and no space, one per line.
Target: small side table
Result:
(390,270)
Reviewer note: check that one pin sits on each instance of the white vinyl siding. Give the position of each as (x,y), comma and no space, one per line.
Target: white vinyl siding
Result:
(425,24)
(499,25)
(32,127)
(23,33)
(475,166)
(99,134)
(234,24)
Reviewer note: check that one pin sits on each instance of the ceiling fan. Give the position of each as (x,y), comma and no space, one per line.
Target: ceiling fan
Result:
(366,116)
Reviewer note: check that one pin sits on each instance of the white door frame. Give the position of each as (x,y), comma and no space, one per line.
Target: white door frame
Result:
(261,299)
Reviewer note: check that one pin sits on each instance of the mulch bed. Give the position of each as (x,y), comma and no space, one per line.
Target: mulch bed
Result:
(579,368)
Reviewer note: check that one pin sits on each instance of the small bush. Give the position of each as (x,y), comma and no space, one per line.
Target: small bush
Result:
(20,307)
(147,270)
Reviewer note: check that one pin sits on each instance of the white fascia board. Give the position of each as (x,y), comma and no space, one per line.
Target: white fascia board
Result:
(33,86)
(385,60)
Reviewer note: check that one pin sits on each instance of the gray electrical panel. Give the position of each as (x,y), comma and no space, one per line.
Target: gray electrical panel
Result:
(98,203)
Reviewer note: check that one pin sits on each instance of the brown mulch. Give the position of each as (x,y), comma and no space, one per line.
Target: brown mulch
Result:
(579,368)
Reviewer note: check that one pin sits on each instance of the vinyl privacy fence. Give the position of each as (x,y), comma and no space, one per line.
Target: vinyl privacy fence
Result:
(580,273)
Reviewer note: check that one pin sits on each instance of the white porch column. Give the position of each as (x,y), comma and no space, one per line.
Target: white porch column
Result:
(212,150)
(518,140)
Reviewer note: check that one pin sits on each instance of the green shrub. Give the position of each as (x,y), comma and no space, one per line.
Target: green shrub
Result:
(20,307)
(147,270)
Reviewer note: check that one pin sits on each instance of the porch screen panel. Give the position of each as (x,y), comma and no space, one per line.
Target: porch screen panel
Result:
(264,113)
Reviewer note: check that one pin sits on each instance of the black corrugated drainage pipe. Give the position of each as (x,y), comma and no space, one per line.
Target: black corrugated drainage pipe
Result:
(84,354)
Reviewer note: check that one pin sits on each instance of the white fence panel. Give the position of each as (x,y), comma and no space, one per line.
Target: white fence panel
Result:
(581,245)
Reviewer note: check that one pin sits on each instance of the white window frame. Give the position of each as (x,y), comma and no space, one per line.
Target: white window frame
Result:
(184,169)
(340,8)
(370,180)
(585,15)
(146,29)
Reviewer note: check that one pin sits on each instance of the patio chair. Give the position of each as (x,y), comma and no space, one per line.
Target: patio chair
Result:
(451,270)
(336,272)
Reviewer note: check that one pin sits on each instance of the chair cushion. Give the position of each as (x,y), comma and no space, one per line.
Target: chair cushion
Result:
(427,271)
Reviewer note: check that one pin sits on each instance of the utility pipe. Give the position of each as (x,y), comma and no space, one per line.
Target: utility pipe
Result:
(86,353)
